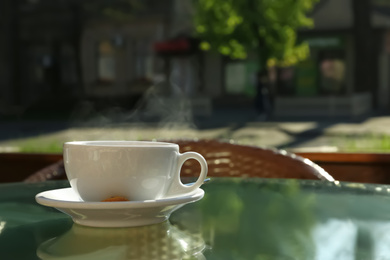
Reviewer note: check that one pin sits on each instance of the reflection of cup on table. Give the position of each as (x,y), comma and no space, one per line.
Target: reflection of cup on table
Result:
(135,170)
(159,241)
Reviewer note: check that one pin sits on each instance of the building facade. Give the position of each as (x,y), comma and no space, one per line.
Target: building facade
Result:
(71,50)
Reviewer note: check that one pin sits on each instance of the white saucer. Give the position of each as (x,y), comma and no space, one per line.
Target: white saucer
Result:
(114,214)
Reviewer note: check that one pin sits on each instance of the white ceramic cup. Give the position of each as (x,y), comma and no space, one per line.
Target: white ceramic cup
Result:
(137,170)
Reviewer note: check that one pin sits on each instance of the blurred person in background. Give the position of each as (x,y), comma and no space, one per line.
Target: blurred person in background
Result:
(263,96)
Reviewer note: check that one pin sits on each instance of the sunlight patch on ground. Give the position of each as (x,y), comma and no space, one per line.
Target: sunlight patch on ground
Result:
(316,149)
(52,143)
(260,137)
(9,149)
(298,127)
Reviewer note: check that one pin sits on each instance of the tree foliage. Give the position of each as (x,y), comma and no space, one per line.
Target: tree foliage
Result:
(238,27)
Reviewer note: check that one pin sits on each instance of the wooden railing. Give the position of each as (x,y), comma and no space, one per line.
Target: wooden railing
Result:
(16,167)
(354,167)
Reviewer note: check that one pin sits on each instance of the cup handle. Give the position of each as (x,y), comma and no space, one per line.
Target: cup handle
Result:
(177,187)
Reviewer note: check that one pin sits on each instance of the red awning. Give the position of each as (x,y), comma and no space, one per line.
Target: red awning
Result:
(177,46)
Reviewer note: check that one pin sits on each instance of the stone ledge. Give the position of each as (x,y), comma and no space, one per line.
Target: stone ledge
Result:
(331,106)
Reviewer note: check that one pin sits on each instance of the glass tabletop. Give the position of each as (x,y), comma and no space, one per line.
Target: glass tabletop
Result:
(237,219)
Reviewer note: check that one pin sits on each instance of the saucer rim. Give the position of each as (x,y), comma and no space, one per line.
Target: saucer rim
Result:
(42,199)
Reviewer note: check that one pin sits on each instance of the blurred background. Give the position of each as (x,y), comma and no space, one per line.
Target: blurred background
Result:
(302,75)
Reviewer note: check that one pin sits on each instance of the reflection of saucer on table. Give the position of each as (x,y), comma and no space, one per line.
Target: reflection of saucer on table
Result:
(159,241)
(115,214)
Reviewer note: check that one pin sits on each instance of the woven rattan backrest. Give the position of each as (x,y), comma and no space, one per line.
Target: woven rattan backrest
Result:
(226,160)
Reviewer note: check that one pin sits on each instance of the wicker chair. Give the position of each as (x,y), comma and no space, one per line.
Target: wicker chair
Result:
(227,160)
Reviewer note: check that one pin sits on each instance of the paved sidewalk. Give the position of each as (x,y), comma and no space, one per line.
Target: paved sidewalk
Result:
(240,125)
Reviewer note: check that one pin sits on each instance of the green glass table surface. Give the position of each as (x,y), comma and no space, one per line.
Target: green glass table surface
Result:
(237,219)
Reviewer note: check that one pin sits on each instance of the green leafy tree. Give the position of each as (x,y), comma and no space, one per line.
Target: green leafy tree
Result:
(268,27)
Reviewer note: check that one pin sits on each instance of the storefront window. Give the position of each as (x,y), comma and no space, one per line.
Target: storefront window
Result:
(306,78)
(106,62)
(284,79)
(323,73)
(68,65)
(235,77)
(142,58)
(332,73)
(240,77)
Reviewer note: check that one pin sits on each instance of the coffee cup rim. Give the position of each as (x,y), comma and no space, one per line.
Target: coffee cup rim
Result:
(120,143)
